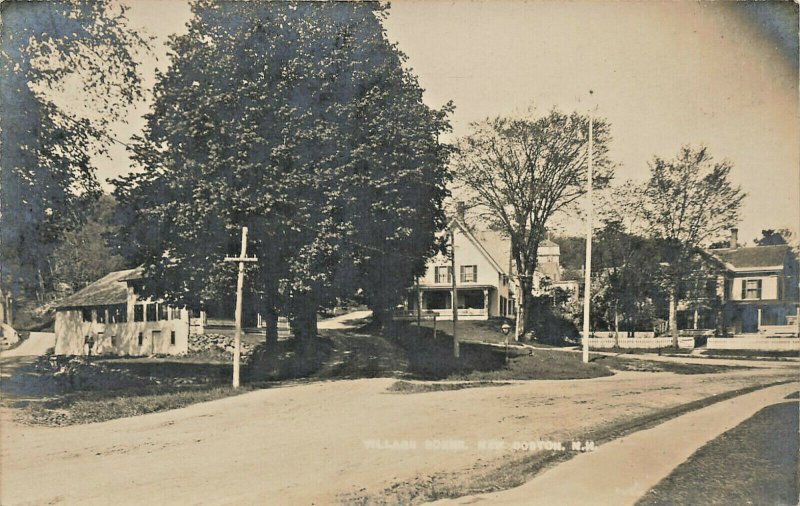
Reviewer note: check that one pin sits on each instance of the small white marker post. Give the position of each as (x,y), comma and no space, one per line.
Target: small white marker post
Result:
(237,347)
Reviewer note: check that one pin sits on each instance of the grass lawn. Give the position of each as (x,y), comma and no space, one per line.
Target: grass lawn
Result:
(634,364)
(487,331)
(407,387)
(89,407)
(754,463)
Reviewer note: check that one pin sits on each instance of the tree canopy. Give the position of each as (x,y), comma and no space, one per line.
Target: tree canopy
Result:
(47,180)
(688,202)
(519,172)
(298,121)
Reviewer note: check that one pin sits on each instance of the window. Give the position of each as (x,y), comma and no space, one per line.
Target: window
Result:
(101,314)
(437,300)
(162,312)
(751,289)
(151,312)
(118,313)
(470,299)
(138,313)
(443,274)
(172,338)
(502,306)
(141,338)
(87,314)
(469,273)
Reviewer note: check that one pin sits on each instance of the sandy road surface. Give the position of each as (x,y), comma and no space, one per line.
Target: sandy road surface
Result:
(342,322)
(306,444)
(622,471)
(36,344)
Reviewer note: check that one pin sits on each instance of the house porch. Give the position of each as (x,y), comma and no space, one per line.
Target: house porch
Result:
(474,302)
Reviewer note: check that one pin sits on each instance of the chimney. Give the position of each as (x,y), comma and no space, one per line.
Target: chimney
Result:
(734,238)
(460,209)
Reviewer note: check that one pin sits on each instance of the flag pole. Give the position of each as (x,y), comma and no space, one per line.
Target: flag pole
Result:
(588,262)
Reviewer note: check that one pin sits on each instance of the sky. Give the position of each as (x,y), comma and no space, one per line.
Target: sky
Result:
(664,74)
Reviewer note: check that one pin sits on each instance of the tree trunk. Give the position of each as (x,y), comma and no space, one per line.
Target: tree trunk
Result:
(304,321)
(616,326)
(673,317)
(4,312)
(271,319)
(526,304)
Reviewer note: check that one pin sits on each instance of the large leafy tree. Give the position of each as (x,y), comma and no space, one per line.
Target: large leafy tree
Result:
(688,202)
(520,172)
(298,121)
(47,180)
(627,269)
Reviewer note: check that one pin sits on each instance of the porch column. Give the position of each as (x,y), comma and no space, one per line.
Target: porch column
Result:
(419,299)
(695,318)
(797,319)
(486,301)
(758,327)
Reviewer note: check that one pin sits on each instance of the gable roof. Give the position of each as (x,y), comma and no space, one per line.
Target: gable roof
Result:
(497,246)
(490,244)
(110,289)
(752,258)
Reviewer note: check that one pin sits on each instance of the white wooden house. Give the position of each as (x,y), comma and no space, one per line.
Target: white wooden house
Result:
(109,314)
(482,268)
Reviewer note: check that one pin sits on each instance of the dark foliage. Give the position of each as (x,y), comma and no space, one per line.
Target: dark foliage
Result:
(298,121)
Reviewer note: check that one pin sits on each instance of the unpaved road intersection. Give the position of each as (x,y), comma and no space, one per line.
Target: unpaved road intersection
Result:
(309,443)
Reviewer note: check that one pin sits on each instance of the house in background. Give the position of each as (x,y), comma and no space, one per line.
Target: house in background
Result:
(482,261)
(109,313)
(760,288)
(756,291)
(484,272)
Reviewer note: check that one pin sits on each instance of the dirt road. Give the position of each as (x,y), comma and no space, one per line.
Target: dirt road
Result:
(345,321)
(312,443)
(622,471)
(36,344)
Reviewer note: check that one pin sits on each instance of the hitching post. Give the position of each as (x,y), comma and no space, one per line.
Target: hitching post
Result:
(237,347)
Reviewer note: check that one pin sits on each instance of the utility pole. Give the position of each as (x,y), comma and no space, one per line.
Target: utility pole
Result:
(518,304)
(237,346)
(419,305)
(587,279)
(456,350)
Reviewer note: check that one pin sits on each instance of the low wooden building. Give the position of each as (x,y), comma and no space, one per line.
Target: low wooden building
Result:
(109,315)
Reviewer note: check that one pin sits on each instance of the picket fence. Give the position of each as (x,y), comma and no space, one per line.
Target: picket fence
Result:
(640,342)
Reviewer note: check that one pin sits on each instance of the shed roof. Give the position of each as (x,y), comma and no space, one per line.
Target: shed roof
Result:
(756,257)
(110,289)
